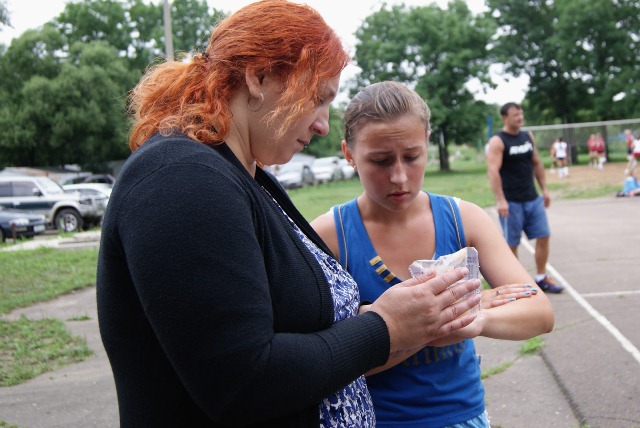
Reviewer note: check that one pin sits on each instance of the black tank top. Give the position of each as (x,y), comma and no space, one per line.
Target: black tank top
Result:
(517,167)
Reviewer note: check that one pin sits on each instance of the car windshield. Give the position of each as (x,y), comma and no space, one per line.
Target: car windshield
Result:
(49,186)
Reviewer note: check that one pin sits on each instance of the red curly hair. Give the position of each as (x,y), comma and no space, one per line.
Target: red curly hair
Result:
(276,36)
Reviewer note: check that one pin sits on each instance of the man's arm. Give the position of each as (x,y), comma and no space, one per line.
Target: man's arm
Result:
(494,163)
(538,172)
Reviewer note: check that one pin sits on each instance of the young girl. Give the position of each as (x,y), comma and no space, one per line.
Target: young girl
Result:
(393,223)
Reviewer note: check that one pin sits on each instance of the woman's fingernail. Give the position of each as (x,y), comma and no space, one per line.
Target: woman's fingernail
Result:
(528,285)
(511,299)
(526,293)
(534,291)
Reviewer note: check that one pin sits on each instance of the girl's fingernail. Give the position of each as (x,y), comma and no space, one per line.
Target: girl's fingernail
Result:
(511,299)
(526,293)
(534,291)
(528,285)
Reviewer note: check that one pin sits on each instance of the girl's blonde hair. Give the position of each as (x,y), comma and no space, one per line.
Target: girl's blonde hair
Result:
(383,102)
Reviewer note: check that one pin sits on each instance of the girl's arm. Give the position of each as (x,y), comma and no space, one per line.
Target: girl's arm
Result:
(519,319)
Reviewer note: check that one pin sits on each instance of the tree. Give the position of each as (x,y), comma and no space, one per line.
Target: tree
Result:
(192,24)
(436,52)
(134,27)
(63,87)
(4,14)
(96,20)
(64,109)
(330,144)
(34,53)
(580,55)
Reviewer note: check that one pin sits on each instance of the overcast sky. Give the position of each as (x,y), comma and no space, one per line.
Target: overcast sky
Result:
(344,16)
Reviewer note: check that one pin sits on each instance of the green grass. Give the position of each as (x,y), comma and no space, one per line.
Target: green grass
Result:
(567,191)
(466,182)
(528,347)
(496,370)
(532,346)
(315,200)
(79,318)
(32,276)
(31,347)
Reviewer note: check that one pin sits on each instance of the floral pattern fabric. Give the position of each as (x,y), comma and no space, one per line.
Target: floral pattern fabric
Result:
(350,406)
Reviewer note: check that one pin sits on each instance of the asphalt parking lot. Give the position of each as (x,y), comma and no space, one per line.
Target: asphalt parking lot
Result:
(592,354)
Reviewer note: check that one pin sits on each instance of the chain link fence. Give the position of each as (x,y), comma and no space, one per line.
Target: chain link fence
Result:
(577,134)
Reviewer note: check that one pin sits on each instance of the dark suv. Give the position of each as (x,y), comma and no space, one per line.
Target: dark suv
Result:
(63,211)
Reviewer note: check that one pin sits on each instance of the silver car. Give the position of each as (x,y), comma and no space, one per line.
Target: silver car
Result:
(327,169)
(99,194)
(294,174)
(41,195)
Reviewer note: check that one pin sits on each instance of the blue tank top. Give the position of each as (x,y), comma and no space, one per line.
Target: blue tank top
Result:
(438,386)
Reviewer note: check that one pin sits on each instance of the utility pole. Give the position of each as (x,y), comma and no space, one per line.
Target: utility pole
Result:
(168,34)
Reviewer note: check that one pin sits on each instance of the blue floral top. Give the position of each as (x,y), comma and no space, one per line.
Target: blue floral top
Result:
(350,406)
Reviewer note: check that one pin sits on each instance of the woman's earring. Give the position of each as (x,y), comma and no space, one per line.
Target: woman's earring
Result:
(259,106)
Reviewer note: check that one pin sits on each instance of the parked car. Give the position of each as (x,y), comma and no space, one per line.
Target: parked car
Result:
(99,194)
(346,169)
(326,169)
(41,195)
(91,178)
(294,174)
(26,225)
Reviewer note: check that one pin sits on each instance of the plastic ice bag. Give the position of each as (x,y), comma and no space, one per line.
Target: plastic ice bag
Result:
(465,257)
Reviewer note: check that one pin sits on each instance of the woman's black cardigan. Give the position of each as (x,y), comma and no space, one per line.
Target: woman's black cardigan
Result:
(211,309)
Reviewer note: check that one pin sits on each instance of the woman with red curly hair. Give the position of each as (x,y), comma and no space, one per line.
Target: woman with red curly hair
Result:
(218,304)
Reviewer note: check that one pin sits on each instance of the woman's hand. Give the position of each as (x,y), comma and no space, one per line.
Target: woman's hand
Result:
(421,309)
(506,293)
(469,332)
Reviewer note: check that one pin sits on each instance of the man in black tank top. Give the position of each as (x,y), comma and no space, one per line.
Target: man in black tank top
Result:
(512,164)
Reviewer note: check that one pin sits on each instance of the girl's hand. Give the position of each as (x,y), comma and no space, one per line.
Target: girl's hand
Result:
(506,293)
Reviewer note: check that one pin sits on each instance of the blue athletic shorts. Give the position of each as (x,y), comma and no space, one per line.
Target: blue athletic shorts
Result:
(529,217)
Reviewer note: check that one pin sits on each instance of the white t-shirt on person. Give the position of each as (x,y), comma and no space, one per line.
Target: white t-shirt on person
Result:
(560,149)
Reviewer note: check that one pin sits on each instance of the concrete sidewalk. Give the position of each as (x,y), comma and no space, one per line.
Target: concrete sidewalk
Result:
(77,240)
(590,363)
(80,395)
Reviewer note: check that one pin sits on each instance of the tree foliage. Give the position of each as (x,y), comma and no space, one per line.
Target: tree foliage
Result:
(582,56)
(436,52)
(75,116)
(330,144)
(5,19)
(135,27)
(63,86)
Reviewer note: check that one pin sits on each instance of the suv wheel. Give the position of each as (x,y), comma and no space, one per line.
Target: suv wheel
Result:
(68,220)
